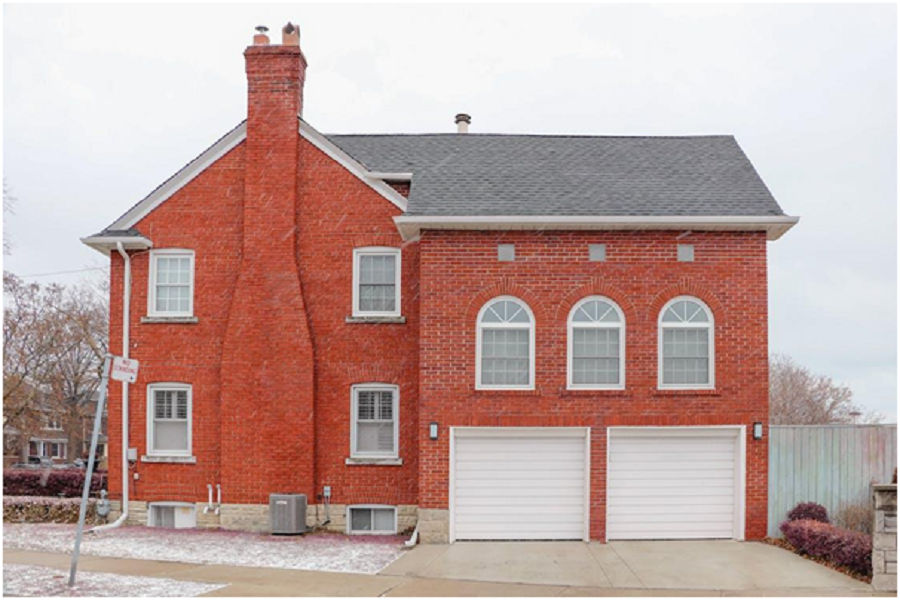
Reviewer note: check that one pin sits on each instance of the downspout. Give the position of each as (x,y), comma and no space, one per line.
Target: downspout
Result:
(126,326)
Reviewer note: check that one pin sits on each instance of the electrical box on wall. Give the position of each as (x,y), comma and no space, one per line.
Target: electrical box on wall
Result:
(132,454)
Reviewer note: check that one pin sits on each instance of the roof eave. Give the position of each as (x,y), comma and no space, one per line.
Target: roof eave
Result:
(410,226)
(106,244)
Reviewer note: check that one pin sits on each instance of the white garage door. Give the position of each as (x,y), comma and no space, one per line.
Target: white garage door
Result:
(519,484)
(675,483)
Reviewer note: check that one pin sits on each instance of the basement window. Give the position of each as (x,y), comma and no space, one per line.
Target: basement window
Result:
(372,520)
(173,515)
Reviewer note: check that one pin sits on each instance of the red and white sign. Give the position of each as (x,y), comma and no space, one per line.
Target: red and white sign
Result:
(124,369)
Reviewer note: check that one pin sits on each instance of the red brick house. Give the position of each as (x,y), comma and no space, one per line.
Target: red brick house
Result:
(487,336)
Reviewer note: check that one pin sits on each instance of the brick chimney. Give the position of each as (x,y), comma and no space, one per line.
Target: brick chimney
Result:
(267,370)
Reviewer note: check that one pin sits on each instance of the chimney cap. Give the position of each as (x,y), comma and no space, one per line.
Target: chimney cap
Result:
(262,29)
(463,117)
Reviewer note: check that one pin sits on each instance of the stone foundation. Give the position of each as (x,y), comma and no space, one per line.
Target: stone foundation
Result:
(434,526)
(255,517)
(884,541)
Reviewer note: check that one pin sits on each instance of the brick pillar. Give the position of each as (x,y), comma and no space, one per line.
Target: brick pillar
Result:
(267,433)
(884,542)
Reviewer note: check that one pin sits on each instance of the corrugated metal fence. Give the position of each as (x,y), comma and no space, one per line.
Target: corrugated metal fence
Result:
(833,465)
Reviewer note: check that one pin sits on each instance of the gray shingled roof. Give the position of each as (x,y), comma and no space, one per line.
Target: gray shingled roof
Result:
(531,175)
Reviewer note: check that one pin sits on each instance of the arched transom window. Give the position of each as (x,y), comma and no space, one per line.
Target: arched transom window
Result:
(596,344)
(686,344)
(505,345)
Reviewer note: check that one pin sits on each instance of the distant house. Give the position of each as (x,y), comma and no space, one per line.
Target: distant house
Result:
(52,438)
(496,336)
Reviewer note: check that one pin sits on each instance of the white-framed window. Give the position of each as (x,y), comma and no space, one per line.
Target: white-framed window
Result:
(169,419)
(47,449)
(374,430)
(686,345)
(596,349)
(171,292)
(376,282)
(372,519)
(505,345)
(54,423)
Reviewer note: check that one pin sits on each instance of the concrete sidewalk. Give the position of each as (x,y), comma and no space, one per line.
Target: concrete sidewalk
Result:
(435,571)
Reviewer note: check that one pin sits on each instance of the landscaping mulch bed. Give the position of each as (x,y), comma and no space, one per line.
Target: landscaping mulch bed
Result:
(785,545)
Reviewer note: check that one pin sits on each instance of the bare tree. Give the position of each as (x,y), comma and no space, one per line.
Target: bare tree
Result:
(797,396)
(55,339)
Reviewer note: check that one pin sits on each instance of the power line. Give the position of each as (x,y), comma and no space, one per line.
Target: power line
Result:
(62,272)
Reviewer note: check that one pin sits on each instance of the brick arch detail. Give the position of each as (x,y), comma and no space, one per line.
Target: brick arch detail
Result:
(686,287)
(505,287)
(373,373)
(386,240)
(596,287)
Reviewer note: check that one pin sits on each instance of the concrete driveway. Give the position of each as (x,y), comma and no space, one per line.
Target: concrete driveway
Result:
(714,566)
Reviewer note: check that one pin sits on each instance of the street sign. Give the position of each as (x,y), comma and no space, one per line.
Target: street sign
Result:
(124,369)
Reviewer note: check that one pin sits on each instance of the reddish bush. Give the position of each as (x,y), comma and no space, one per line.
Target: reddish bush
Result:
(841,547)
(808,511)
(67,483)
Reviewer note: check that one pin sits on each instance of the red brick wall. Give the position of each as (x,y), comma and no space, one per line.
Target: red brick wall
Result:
(335,213)
(204,216)
(459,272)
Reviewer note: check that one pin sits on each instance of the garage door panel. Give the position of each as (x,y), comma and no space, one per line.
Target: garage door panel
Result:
(712,475)
(519,485)
(665,485)
(638,501)
(526,500)
(675,510)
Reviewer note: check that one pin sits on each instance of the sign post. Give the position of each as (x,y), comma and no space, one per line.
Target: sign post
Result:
(121,369)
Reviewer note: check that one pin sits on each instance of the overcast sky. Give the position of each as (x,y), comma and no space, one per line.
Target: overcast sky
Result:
(104,102)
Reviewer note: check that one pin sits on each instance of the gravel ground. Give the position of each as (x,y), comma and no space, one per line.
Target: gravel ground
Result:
(30,580)
(319,552)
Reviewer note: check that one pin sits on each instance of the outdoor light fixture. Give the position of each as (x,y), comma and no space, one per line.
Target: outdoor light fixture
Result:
(433,430)
(757,431)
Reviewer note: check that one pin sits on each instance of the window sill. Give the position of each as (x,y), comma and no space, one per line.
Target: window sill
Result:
(186,320)
(687,392)
(184,460)
(376,320)
(375,462)
(501,392)
(584,392)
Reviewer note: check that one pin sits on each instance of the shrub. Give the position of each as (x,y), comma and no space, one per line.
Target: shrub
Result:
(840,547)
(856,517)
(808,511)
(35,509)
(67,483)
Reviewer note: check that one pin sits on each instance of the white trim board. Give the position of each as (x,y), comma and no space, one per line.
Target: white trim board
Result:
(410,226)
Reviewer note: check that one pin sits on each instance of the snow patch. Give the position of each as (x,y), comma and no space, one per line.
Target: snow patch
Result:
(31,580)
(313,552)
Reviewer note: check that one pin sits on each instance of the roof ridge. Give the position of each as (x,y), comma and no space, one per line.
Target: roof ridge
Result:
(535,135)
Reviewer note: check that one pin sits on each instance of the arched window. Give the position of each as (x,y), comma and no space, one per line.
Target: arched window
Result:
(686,344)
(596,345)
(505,346)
